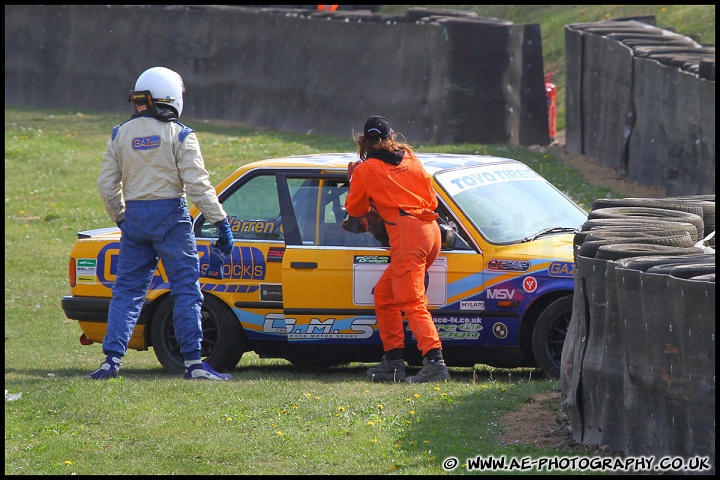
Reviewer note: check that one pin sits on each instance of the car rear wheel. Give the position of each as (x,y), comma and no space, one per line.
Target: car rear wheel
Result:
(223,337)
(549,335)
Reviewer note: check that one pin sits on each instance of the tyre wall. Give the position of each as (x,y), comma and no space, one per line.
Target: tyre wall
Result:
(442,76)
(642,100)
(638,363)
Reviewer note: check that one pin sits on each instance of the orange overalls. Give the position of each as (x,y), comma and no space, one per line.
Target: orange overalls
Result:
(403,196)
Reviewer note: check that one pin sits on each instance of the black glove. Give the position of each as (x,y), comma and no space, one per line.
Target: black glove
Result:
(225,240)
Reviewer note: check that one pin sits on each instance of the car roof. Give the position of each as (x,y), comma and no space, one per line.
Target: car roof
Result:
(433,162)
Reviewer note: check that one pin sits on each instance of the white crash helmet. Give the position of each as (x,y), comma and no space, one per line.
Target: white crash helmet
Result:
(166,87)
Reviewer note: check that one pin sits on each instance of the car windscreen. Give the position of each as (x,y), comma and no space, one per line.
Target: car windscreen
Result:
(510,203)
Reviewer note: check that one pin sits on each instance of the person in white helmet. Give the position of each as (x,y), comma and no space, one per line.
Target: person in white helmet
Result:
(151,163)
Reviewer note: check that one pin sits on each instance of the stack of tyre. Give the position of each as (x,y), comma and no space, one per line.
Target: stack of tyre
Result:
(673,235)
(638,361)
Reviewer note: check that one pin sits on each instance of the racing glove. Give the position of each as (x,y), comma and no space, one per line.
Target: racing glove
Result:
(225,241)
(215,264)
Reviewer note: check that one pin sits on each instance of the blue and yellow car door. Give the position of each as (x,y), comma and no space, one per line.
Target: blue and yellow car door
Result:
(329,275)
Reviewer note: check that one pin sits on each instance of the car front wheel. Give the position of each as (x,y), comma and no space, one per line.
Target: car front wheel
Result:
(223,338)
(549,335)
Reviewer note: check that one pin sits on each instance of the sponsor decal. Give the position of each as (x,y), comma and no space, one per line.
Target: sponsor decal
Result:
(317,329)
(461,180)
(500,330)
(472,305)
(270,293)
(508,265)
(529,284)
(500,293)
(465,330)
(252,226)
(381,259)
(146,143)
(244,263)
(561,269)
(275,254)
(86,270)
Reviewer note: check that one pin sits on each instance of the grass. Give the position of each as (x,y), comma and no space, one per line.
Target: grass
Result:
(273,418)
(695,21)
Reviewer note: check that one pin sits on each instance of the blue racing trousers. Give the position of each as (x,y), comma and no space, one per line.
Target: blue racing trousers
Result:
(156,230)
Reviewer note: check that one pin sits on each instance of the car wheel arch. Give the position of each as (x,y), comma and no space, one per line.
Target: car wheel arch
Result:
(530,319)
(223,348)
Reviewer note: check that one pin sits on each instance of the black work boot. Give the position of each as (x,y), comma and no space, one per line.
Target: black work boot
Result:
(390,369)
(434,369)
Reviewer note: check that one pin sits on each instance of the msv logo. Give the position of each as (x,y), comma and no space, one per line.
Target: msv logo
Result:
(500,293)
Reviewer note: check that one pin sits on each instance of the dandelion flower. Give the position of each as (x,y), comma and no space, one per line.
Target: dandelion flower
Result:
(68,462)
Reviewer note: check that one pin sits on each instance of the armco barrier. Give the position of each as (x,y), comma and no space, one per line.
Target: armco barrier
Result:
(638,363)
(642,100)
(441,76)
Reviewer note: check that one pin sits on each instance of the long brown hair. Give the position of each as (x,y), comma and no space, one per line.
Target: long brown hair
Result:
(391,144)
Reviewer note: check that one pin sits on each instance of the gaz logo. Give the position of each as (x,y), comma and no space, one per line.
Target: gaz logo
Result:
(146,143)
(530,284)
(561,269)
(500,330)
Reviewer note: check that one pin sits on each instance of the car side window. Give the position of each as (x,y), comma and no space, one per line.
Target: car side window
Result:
(319,205)
(253,211)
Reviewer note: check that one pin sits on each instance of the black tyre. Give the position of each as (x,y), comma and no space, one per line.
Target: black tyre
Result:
(617,251)
(223,338)
(641,225)
(644,263)
(649,212)
(549,335)
(590,248)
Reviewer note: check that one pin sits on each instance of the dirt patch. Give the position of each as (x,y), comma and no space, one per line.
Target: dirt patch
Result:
(596,173)
(542,422)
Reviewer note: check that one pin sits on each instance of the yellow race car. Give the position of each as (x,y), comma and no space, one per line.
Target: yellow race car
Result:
(298,283)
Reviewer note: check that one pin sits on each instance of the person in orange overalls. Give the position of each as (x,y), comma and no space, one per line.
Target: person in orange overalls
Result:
(390,180)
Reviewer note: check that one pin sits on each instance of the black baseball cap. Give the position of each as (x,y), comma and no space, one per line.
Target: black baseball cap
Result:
(377,127)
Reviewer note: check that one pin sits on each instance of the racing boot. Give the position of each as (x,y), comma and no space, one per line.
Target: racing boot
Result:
(434,369)
(391,369)
(110,368)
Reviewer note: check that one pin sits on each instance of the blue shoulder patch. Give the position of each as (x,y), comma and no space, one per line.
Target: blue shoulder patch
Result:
(115,130)
(184,132)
